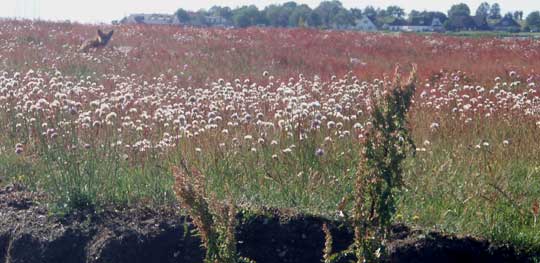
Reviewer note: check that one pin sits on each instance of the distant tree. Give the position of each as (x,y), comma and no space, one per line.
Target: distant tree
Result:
(224,12)
(183,16)
(280,15)
(518,15)
(459,10)
(277,15)
(356,13)
(395,11)
(327,10)
(343,18)
(301,16)
(432,15)
(495,11)
(382,13)
(460,23)
(246,16)
(314,20)
(459,18)
(483,10)
(414,13)
(370,12)
(200,18)
(290,5)
(532,22)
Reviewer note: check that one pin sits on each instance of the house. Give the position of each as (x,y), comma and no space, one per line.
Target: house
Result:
(162,19)
(424,24)
(396,25)
(417,24)
(150,19)
(507,24)
(197,19)
(364,24)
(437,25)
(218,21)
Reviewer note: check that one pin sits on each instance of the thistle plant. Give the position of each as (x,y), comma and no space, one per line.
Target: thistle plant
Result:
(379,175)
(215,222)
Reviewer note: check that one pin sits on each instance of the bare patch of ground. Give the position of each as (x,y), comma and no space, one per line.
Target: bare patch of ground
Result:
(28,233)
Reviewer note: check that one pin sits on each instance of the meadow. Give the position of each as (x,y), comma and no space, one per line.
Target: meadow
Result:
(273,118)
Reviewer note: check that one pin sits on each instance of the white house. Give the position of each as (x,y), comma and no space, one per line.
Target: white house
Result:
(418,24)
(421,24)
(396,25)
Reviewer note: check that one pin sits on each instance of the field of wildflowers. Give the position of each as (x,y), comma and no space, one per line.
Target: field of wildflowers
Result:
(273,118)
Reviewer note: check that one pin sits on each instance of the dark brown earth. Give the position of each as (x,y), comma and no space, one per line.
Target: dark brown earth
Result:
(29,234)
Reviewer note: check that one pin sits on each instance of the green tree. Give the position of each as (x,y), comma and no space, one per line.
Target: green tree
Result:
(432,15)
(495,11)
(483,10)
(327,10)
(532,22)
(459,10)
(459,18)
(290,5)
(356,13)
(183,16)
(315,20)
(382,13)
(246,16)
(370,12)
(199,18)
(301,16)
(395,11)
(224,12)
(518,15)
(414,13)
(277,15)
(343,18)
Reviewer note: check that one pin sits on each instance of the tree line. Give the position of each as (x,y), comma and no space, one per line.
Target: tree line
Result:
(332,14)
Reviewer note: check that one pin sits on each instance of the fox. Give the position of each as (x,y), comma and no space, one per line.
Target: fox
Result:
(101,41)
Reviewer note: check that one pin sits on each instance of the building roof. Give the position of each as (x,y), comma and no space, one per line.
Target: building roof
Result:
(436,22)
(365,23)
(417,22)
(365,19)
(507,21)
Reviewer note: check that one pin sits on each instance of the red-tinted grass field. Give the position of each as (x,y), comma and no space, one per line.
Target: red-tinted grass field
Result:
(273,118)
(208,54)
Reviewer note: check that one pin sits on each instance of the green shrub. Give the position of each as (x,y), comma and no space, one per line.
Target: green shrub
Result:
(379,175)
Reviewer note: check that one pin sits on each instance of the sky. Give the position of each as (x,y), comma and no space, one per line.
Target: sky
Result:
(98,11)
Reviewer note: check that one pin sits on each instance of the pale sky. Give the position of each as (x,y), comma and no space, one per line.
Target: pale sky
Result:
(94,11)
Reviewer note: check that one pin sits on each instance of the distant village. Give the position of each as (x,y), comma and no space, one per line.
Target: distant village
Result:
(332,15)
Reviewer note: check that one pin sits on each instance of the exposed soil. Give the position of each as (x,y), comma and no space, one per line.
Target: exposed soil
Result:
(29,234)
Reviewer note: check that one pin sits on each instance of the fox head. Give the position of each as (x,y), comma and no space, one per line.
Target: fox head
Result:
(104,38)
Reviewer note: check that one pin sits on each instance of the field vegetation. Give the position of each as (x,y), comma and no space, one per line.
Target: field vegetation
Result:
(272,118)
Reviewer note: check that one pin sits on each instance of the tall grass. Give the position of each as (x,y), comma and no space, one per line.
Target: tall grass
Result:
(110,131)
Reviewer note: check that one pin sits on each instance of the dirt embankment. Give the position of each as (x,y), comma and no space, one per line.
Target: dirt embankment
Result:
(28,234)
